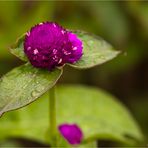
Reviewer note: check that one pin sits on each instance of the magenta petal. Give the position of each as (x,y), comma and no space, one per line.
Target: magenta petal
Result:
(76,48)
(48,45)
(72,133)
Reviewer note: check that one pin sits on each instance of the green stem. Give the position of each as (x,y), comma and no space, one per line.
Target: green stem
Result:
(52,110)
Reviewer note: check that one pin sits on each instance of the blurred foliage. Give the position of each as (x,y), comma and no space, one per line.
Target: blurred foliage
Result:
(123,24)
(102,121)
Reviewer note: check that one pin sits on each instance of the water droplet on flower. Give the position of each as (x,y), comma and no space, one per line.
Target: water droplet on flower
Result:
(55,58)
(28,33)
(62,31)
(54,51)
(36,51)
(54,25)
(74,48)
(60,61)
(66,52)
(28,48)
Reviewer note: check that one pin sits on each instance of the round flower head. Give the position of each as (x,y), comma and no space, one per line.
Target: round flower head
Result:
(72,133)
(48,45)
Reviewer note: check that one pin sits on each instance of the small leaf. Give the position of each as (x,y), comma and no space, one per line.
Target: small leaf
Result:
(23,85)
(99,115)
(18,48)
(95,51)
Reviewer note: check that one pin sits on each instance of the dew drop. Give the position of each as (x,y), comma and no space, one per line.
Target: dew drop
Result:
(35,51)
(60,61)
(54,51)
(24,86)
(62,31)
(37,82)
(29,48)
(55,58)
(54,25)
(102,57)
(40,23)
(90,42)
(28,33)
(66,52)
(35,93)
(39,89)
(29,99)
(75,48)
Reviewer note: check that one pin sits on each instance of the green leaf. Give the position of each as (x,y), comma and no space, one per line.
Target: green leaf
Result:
(99,115)
(18,48)
(24,85)
(95,51)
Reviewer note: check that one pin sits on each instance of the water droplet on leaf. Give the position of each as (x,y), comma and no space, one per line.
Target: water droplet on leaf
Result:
(39,89)
(102,57)
(90,42)
(35,93)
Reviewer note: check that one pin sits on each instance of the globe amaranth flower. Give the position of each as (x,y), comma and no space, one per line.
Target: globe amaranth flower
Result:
(48,45)
(72,133)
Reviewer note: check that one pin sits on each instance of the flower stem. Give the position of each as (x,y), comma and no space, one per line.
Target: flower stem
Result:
(52,110)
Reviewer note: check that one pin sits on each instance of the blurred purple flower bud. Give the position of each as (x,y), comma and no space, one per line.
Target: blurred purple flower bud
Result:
(48,45)
(72,133)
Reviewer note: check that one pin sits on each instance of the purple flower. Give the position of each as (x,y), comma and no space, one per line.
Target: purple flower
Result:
(72,133)
(48,45)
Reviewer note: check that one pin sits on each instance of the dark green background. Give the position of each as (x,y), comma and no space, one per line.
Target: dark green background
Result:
(123,24)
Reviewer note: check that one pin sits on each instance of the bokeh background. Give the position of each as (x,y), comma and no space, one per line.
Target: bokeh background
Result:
(123,24)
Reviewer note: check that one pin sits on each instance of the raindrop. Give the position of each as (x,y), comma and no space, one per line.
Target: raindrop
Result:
(35,93)
(29,99)
(29,48)
(54,51)
(54,25)
(28,33)
(102,57)
(60,61)
(24,75)
(24,87)
(55,58)
(66,52)
(37,82)
(62,31)
(35,51)
(74,48)
(39,89)
(40,23)
(90,42)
